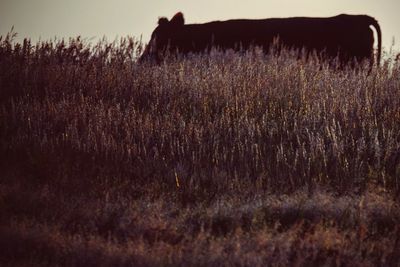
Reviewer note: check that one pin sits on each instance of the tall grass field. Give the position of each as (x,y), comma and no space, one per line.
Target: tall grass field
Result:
(224,159)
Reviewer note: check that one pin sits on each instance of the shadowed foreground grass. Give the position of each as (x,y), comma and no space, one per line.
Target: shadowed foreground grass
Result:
(228,159)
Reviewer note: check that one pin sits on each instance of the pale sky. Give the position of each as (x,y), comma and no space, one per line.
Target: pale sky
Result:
(93,19)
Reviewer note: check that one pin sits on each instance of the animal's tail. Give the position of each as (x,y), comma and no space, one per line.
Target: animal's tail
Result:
(373,22)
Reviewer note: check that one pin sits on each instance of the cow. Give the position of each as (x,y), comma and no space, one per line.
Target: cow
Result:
(347,37)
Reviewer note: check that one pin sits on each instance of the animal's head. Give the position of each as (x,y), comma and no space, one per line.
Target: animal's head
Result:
(161,38)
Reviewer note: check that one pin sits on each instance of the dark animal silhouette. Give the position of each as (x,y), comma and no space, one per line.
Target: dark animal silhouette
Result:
(348,37)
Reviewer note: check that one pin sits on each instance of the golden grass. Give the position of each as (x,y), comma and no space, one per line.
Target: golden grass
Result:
(224,159)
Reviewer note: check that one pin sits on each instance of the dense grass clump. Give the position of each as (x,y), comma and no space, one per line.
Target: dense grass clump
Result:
(221,159)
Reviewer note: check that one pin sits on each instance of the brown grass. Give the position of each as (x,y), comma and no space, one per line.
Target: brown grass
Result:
(229,159)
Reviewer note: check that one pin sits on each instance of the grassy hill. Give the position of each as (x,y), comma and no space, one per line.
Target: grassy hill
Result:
(224,159)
